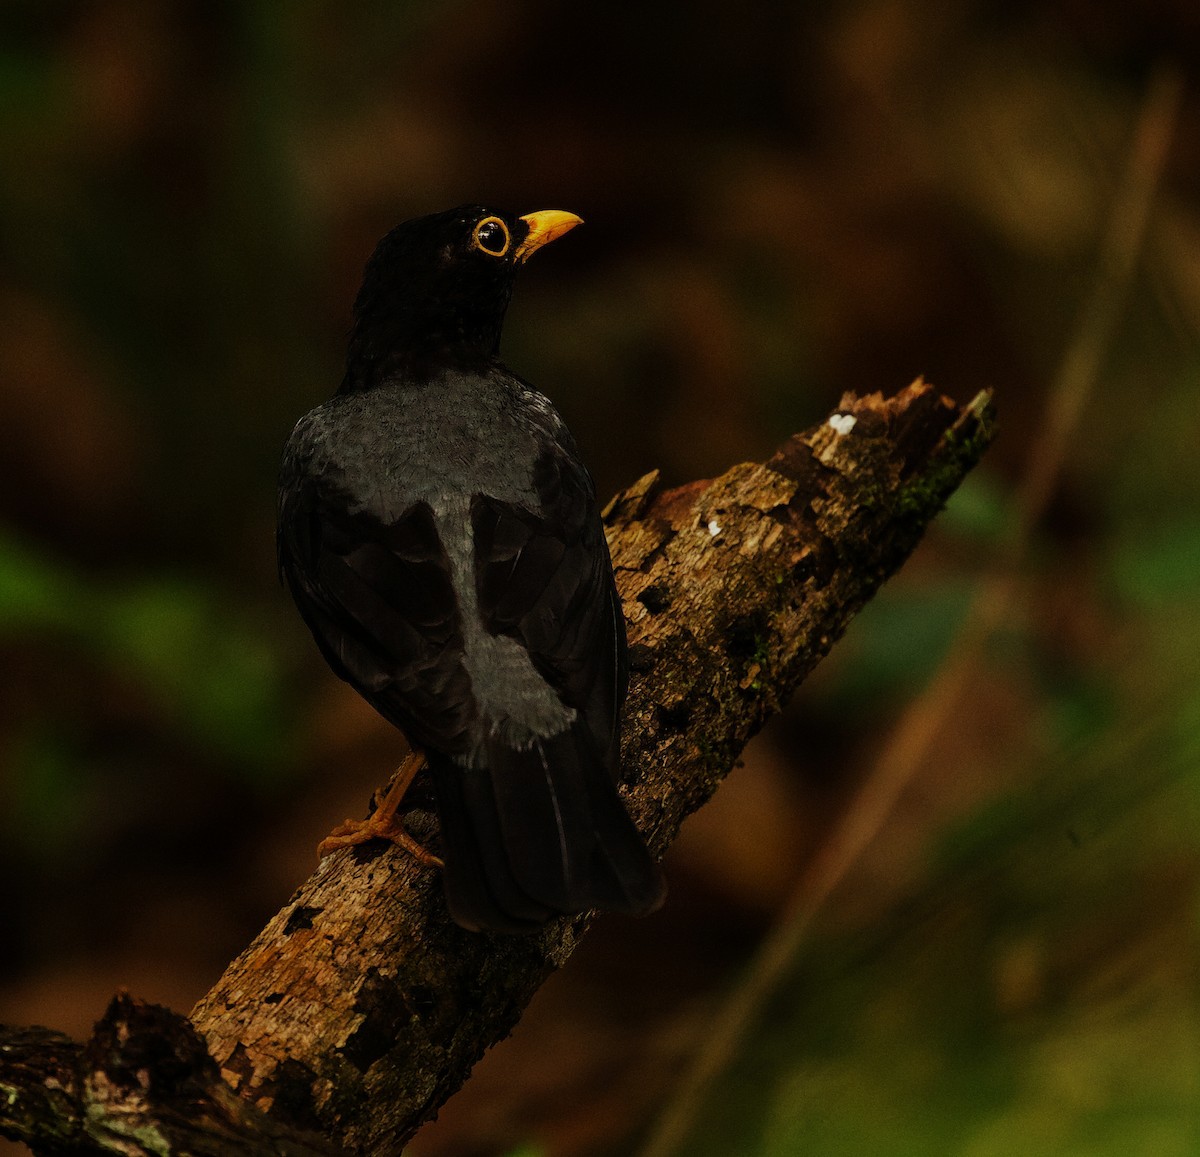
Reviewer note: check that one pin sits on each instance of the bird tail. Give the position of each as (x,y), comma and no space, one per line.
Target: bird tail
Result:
(537,832)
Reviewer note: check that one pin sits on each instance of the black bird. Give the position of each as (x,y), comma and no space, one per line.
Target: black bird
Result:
(442,540)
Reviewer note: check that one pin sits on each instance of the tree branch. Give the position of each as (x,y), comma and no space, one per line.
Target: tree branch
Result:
(361,1008)
(143,1084)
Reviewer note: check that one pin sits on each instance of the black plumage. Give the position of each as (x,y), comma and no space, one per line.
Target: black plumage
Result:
(442,541)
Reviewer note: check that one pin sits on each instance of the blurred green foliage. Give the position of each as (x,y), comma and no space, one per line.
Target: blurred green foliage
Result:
(897,642)
(1037,995)
(211,673)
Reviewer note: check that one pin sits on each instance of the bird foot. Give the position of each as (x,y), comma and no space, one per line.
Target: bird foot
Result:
(384,822)
(351,832)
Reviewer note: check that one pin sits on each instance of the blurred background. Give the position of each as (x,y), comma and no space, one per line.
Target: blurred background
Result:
(782,202)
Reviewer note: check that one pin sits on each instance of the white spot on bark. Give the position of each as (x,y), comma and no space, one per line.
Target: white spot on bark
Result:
(842,423)
(714,527)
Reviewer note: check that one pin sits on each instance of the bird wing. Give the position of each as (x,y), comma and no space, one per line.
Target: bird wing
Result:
(543,577)
(379,601)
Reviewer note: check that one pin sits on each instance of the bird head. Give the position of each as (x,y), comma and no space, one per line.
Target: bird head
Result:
(436,289)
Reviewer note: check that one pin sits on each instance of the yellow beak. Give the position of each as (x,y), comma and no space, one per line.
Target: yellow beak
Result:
(544,226)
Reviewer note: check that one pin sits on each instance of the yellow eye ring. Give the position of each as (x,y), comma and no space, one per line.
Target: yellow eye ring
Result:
(492,237)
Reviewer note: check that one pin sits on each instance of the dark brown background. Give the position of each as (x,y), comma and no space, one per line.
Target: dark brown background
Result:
(782,203)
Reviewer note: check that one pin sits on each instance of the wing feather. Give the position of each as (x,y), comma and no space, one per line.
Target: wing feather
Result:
(543,577)
(380,603)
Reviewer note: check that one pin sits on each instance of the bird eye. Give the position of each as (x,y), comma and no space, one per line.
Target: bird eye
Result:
(492,236)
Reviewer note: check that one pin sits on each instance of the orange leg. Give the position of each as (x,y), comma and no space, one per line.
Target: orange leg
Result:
(383,823)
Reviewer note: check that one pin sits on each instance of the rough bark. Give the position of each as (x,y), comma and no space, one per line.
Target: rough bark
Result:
(143,1084)
(361,1008)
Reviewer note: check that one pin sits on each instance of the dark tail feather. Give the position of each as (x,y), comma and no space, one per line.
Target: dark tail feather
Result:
(623,859)
(539,832)
(480,890)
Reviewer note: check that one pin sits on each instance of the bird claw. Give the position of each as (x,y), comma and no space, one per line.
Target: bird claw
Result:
(384,822)
(350,833)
